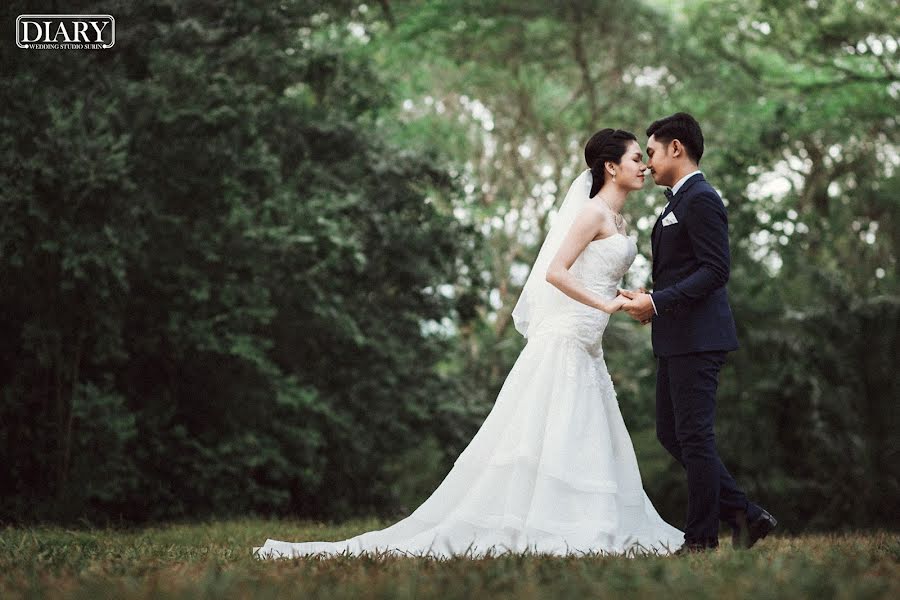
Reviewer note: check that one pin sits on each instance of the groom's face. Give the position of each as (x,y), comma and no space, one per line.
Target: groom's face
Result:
(660,162)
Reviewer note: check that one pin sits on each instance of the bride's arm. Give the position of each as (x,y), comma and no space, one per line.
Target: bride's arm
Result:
(585,228)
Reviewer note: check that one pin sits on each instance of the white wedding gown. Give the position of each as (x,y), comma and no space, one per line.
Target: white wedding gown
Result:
(552,468)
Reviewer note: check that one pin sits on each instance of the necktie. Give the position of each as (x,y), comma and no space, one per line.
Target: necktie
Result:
(668,194)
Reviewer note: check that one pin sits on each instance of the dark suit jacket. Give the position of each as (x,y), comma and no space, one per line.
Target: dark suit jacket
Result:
(691,263)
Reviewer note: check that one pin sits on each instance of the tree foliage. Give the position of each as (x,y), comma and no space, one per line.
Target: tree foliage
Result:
(262,257)
(217,272)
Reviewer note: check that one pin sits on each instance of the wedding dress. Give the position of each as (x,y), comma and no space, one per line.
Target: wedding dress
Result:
(552,468)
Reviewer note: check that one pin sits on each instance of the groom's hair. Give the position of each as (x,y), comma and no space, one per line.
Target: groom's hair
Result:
(682,127)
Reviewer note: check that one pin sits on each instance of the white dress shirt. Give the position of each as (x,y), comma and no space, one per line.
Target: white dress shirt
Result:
(681,181)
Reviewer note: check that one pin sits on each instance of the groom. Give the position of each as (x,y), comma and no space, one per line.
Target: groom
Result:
(692,331)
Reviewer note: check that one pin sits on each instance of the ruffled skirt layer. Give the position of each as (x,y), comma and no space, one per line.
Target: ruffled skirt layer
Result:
(551,470)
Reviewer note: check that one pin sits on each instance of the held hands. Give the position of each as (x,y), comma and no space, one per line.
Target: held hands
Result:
(637,305)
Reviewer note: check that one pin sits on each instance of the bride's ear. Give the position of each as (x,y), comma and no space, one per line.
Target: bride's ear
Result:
(610,168)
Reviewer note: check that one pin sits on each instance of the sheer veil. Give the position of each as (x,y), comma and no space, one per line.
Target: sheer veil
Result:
(539,298)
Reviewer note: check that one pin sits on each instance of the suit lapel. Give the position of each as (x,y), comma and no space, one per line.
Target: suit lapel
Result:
(682,191)
(654,240)
(656,234)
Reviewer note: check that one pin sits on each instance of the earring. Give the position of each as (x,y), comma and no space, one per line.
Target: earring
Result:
(614,176)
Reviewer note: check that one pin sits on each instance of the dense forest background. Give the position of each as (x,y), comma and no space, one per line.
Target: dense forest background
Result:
(260,257)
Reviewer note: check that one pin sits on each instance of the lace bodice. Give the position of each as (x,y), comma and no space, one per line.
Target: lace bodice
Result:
(600,268)
(604,262)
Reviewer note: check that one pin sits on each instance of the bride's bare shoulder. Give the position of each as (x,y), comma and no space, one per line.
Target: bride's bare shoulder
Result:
(600,216)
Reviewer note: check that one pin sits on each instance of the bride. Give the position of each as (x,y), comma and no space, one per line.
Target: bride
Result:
(552,468)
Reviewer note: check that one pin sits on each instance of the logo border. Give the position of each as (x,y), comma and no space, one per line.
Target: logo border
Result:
(105,46)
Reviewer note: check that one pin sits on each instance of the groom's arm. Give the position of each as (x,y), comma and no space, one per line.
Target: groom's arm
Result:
(707,230)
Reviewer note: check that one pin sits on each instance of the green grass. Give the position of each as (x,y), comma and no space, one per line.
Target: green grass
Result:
(213,560)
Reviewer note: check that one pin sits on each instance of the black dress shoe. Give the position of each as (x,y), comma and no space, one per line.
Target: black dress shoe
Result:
(749,532)
(691,548)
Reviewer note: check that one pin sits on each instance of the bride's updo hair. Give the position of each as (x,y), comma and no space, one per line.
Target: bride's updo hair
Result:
(605,145)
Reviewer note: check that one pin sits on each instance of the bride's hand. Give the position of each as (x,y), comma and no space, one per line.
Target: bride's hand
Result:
(616,304)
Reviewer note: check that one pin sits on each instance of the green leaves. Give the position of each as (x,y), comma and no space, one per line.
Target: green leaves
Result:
(273,252)
(214,268)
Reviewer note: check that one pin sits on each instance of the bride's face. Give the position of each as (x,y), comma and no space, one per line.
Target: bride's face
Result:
(630,170)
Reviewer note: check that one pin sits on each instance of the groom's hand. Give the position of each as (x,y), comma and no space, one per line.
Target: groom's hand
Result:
(638,306)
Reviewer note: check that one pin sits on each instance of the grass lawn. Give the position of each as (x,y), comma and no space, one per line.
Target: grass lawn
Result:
(213,560)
